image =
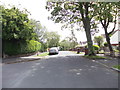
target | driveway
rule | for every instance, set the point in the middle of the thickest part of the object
(65, 70)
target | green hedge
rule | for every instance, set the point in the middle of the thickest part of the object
(21, 47)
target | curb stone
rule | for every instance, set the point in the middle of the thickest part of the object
(108, 66)
(115, 69)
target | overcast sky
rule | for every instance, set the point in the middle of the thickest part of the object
(39, 13)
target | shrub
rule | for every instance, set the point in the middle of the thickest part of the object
(96, 47)
(105, 44)
(115, 50)
(33, 46)
(21, 47)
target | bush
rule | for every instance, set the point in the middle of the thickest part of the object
(105, 44)
(33, 46)
(21, 47)
(96, 47)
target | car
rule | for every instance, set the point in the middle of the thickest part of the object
(53, 50)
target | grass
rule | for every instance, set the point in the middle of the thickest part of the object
(95, 57)
(82, 53)
(116, 50)
(117, 67)
(43, 54)
(101, 52)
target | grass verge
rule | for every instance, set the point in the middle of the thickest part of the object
(95, 57)
(43, 54)
(117, 67)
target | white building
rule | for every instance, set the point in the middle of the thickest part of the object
(115, 38)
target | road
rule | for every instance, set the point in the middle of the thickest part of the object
(65, 70)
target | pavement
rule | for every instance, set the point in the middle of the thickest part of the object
(20, 59)
(109, 63)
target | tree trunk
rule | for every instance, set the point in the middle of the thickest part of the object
(108, 41)
(86, 23)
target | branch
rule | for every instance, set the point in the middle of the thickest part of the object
(114, 25)
(81, 10)
(113, 28)
(101, 22)
(108, 22)
(86, 9)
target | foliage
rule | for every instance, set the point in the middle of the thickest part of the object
(38, 29)
(52, 39)
(16, 25)
(117, 67)
(116, 50)
(72, 39)
(43, 47)
(96, 47)
(21, 47)
(33, 46)
(98, 40)
(18, 33)
(106, 44)
(72, 13)
(65, 45)
(106, 14)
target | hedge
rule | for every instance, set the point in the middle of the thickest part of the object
(21, 47)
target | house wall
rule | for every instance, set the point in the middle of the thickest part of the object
(114, 38)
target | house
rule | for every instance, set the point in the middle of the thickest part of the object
(115, 38)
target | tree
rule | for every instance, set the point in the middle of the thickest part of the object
(107, 13)
(16, 25)
(52, 39)
(17, 30)
(65, 44)
(39, 30)
(72, 39)
(71, 13)
(98, 40)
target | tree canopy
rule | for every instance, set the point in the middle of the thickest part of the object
(107, 13)
(16, 25)
(85, 13)
(72, 13)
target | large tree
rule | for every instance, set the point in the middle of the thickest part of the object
(107, 14)
(71, 13)
(16, 25)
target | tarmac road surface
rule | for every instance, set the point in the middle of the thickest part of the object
(65, 70)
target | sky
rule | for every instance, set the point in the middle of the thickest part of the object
(39, 13)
